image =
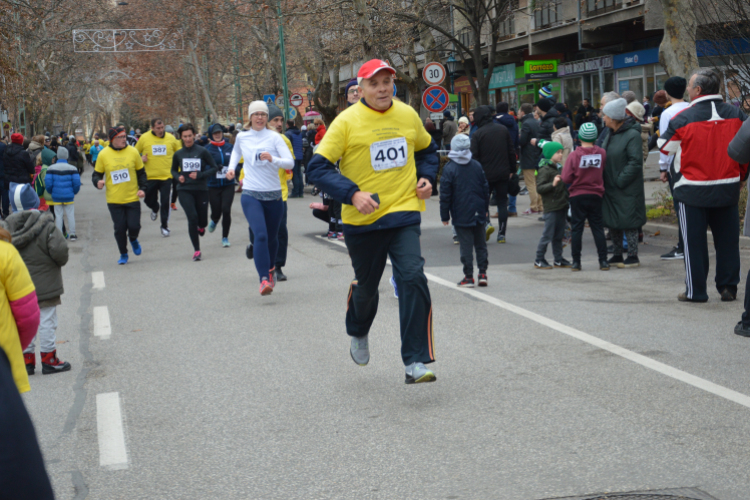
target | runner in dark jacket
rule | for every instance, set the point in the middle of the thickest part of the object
(220, 189)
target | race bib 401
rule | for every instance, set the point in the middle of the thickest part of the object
(388, 154)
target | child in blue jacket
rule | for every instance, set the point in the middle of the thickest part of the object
(465, 199)
(63, 182)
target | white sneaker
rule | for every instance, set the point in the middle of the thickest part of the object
(165, 232)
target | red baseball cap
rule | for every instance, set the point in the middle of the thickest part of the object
(371, 67)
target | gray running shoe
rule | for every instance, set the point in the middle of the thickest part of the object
(416, 373)
(360, 350)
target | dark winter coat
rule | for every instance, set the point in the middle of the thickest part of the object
(624, 203)
(42, 248)
(295, 137)
(17, 164)
(546, 127)
(492, 146)
(581, 114)
(464, 194)
(221, 155)
(72, 152)
(62, 182)
(529, 154)
(3, 146)
(553, 197)
(510, 123)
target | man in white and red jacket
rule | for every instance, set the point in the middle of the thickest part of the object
(706, 184)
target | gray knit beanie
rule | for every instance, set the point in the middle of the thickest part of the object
(616, 109)
(62, 153)
(273, 112)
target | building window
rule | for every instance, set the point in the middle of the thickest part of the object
(547, 13)
(507, 28)
(594, 7)
(466, 37)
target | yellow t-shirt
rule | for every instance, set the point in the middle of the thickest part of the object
(103, 144)
(15, 283)
(283, 176)
(159, 151)
(377, 153)
(119, 169)
(86, 148)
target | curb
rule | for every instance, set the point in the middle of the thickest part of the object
(671, 231)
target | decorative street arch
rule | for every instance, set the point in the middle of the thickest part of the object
(127, 40)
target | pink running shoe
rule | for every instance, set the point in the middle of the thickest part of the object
(197, 256)
(266, 288)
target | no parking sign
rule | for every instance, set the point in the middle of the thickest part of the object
(435, 99)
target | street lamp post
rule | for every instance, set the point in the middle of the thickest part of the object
(282, 52)
(451, 65)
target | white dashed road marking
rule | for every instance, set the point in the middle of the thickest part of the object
(101, 322)
(664, 369)
(97, 279)
(112, 452)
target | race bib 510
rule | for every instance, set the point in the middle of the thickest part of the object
(120, 176)
(388, 154)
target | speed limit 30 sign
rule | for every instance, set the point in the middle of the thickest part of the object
(433, 73)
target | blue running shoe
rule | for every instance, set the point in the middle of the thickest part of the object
(136, 247)
(224, 241)
(211, 226)
(123, 259)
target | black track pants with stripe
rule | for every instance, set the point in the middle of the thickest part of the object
(369, 252)
(725, 228)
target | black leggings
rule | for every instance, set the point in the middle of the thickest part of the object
(127, 220)
(174, 190)
(195, 205)
(156, 190)
(221, 199)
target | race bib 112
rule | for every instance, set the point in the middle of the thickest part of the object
(388, 154)
(191, 165)
(591, 161)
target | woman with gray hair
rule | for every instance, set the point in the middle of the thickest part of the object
(624, 203)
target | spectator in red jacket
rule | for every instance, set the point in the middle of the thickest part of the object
(320, 130)
(707, 184)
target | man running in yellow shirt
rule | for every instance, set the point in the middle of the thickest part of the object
(388, 165)
(156, 148)
(119, 168)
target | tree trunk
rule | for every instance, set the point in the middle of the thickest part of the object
(209, 104)
(677, 52)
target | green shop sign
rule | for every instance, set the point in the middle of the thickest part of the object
(539, 70)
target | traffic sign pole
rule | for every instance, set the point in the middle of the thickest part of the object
(283, 57)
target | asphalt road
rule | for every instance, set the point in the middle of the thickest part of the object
(550, 383)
